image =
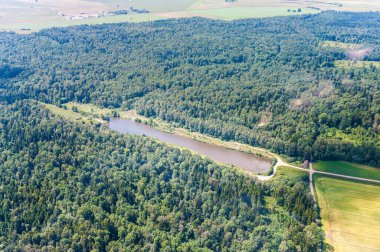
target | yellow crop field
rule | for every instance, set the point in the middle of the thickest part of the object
(350, 213)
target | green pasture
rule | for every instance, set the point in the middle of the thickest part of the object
(349, 169)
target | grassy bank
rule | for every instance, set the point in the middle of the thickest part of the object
(350, 213)
(93, 111)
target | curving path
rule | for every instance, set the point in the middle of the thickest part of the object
(311, 171)
(279, 163)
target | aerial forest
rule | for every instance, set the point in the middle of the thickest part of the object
(265, 82)
(72, 186)
(288, 84)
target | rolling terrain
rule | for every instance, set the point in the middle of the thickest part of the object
(263, 82)
(25, 16)
(296, 88)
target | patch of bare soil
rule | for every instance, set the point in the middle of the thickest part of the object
(266, 118)
(357, 54)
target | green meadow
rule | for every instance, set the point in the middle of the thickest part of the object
(350, 169)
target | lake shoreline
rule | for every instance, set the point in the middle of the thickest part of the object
(250, 162)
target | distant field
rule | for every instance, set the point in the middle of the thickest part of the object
(26, 16)
(350, 213)
(350, 169)
(65, 113)
(249, 12)
(359, 63)
(43, 24)
(341, 45)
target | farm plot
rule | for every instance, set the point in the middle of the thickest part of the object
(350, 213)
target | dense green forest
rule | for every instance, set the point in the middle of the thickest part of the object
(69, 185)
(265, 82)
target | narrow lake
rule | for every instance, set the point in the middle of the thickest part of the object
(248, 162)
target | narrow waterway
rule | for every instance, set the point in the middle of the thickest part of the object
(249, 162)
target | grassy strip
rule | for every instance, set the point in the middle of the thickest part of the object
(349, 169)
(289, 172)
(340, 45)
(357, 64)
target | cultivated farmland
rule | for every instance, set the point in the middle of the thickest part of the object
(350, 213)
(26, 16)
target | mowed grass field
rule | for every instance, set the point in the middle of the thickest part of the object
(289, 172)
(350, 213)
(350, 169)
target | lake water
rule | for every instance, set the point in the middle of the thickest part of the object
(248, 162)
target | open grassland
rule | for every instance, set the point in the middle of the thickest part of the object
(357, 64)
(65, 113)
(340, 45)
(289, 172)
(350, 213)
(350, 169)
(89, 108)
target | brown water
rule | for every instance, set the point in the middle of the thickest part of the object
(249, 162)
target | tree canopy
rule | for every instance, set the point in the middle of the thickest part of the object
(266, 82)
(74, 186)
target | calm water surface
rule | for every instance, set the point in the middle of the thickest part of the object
(240, 159)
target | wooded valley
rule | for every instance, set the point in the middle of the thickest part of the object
(288, 84)
(265, 82)
(67, 185)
